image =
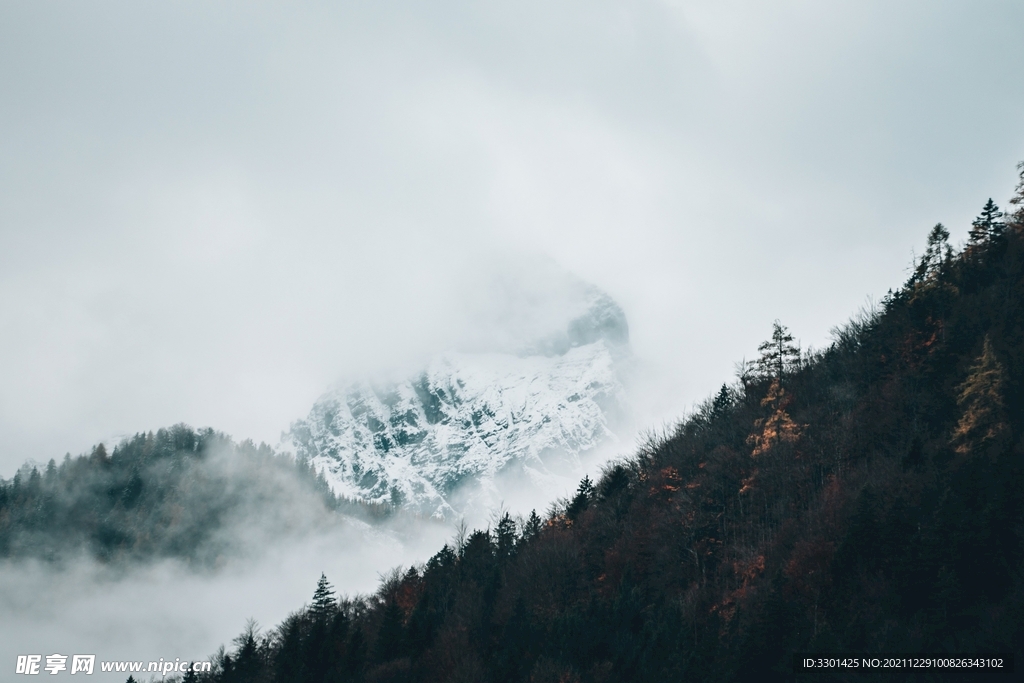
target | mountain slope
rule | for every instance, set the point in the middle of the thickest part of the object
(866, 499)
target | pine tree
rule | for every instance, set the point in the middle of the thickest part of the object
(316, 652)
(937, 255)
(190, 676)
(99, 454)
(987, 226)
(324, 605)
(505, 536)
(722, 402)
(248, 662)
(983, 422)
(34, 481)
(532, 526)
(581, 500)
(778, 355)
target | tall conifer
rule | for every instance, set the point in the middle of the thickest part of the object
(987, 226)
(937, 255)
(324, 605)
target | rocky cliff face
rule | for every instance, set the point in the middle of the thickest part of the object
(473, 424)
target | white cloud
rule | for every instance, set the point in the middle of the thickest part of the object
(208, 213)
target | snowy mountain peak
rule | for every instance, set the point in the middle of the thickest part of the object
(474, 425)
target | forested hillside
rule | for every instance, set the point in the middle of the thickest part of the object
(864, 498)
(176, 493)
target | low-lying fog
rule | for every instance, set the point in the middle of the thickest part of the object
(270, 538)
(167, 610)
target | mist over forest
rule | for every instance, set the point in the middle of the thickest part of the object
(464, 341)
(862, 498)
(176, 493)
(157, 546)
(193, 514)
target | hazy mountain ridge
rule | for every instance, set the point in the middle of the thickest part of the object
(470, 418)
(193, 495)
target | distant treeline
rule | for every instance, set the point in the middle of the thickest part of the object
(867, 497)
(177, 493)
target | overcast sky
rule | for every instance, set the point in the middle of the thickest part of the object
(210, 211)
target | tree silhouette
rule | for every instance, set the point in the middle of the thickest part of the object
(778, 354)
(581, 500)
(937, 255)
(987, 226)
(505, 537)
(324, 605)
(248, 660)
(532, 526)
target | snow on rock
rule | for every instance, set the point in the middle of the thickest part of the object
(445, 440)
